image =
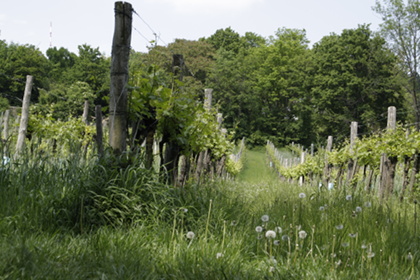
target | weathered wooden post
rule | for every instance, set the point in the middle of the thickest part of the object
(85, 116)
(388, 164)
(6, 124)
(203, 155)
(327, 166)
(121, 46)
(25, 115)
(302, 160)
(99, 131)
(352, 165)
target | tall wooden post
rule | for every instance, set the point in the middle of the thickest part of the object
(388, 164)
(327, 166)
(25, 115)
(99, 131)
(85, 116)
(352, 166)
(6, 124)
(119, 76)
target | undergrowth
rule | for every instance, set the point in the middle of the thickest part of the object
(90, 219)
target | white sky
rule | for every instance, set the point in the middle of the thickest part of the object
(77, 22)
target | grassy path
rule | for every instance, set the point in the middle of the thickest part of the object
(256, 169)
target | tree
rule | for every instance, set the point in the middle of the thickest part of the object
(279, 81)
(354, 80)
(18, 61)
(62, 61)
(401, 27)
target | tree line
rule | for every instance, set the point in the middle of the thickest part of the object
(278, 88)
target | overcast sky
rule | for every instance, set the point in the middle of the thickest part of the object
(77, 22)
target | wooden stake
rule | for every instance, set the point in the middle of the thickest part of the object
(25, 115)
(121, 46)
(99, 131)
(85, 115)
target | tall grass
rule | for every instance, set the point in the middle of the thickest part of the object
(79, 218)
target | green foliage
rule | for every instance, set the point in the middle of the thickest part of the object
(354, 80)
(18, 61)
(68, 135)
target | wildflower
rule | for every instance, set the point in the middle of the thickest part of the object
(190, 235)
(409, 256)
(259, 229)
(358, 209)
(302, 195)
(339, 227)
(219, 255)
(322, 208)
(276, 242)
(349, 197)
(278, 230)
(270, 234)
(285, 237)
(264, 218)
(302, 234)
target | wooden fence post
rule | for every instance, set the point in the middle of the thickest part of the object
(121, 46)
(302, 160)
(352, 165)
(25, 115)
(99, 131)
(388, 164)
(327, 166)
(6, 124)
(85, 116)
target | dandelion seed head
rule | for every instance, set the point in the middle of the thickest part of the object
(233, 223)
(322, 208)
(278, 230)
(265, 218)
(219, 255)
(370, 255)
(302, 234)
(285, 237)
(276, 242)
(358, 209)
(368, 204)
(364, 246)
(409, 256)
(259, 236)
(272, 269)
(352, 235)
(349, 197)
(302, 195)
(185, 210)
(259, 229)
(270, 234)
(339, 227)
(190, 235)
(345, 244)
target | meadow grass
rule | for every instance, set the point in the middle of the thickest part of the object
(87, 219)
